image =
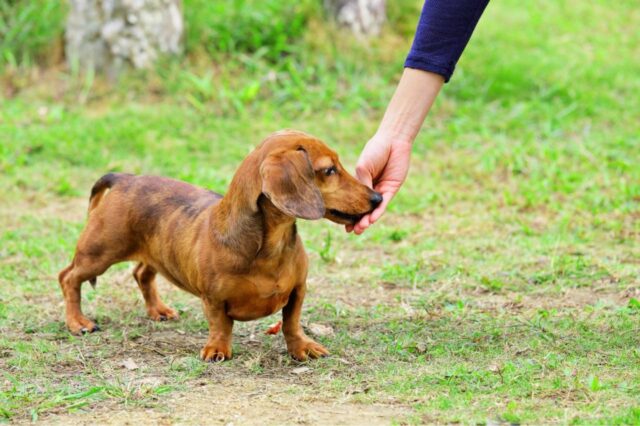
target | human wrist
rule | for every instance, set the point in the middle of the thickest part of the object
(395, 136)
(409, 106)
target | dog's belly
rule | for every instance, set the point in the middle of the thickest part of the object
(254, 307)
(175, 280)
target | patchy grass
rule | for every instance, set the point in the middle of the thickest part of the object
(31, 32)
(502, 285)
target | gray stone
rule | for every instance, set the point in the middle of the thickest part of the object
(108, 35)
(363, 17)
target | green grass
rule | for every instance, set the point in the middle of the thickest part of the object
(267, 28)
(502, 285)
(30, 32)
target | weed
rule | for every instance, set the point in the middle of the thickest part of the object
(326, 252)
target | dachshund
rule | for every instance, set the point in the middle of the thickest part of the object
(239, 253)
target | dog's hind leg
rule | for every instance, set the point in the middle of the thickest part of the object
(83, 268)
(145, 276)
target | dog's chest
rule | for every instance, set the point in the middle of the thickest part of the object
(260, 295)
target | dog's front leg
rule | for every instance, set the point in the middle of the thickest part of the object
(298, 344)
(218, 347)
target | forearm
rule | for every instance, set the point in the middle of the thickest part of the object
(410, 104)
(443, 31)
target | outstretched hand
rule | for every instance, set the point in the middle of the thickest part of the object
(384, 162)
(383, 166)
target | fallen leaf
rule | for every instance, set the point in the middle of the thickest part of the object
(421, 347)
(387, 285)
(129, 364)
(150, 381)
(300, 370)
(320, 329)
(494, 368)
(274, 329)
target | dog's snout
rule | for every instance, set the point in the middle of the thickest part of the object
(375, 200)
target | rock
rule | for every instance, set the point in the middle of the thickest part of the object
(109, 35)
(362, 17)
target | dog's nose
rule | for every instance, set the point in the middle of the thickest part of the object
(375, 200)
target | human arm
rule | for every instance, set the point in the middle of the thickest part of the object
(443, 32)
(384, 162)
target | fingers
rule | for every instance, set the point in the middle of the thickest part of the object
(372, 217)
(386, 165)
(358, 228)
(364, 223)
(379, 211)
(364, 176)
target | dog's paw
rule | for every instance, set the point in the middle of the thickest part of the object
(216, 352)
(162, 313)
(81, 325)
(304, 348)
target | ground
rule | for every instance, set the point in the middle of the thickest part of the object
(400, 348)
(502, 286)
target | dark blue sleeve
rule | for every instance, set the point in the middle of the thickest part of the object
(444, 30)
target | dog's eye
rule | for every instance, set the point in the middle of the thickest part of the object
(330, 171)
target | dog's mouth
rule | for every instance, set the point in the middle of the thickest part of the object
(347, 217)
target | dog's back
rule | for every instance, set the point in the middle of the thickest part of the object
(154, 198)
(145, 218)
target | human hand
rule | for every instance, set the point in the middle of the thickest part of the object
(383, 166)
(384, 162)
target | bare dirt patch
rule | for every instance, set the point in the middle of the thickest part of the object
(243, 402)
(68, 209)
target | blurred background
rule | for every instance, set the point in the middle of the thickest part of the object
(545, 90)
(501, 284)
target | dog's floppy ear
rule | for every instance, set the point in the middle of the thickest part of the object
(288, 181)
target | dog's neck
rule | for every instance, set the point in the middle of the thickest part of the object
(247, 221)
(278, 230)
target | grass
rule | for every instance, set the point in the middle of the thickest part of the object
(501, 286)
(30, 32)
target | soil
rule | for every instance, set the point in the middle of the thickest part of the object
(242, 402)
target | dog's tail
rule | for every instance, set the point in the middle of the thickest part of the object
(98, 191)
(100, 188)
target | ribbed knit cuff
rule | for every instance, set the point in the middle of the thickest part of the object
(422, 64)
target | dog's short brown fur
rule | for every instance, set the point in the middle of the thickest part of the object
(240, 254)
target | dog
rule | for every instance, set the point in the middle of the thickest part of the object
(239, 253)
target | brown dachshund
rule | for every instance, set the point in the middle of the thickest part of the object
(240, 254)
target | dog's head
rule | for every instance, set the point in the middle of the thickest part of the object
(303, 178)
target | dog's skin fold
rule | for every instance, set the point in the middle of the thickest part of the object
(240, 254)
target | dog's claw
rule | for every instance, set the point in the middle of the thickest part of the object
(216, 353)
(82, 330)
(305, 348)
(219, 357)
(85, 330)
(162, 313)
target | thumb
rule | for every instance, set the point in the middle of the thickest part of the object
(364, 175)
